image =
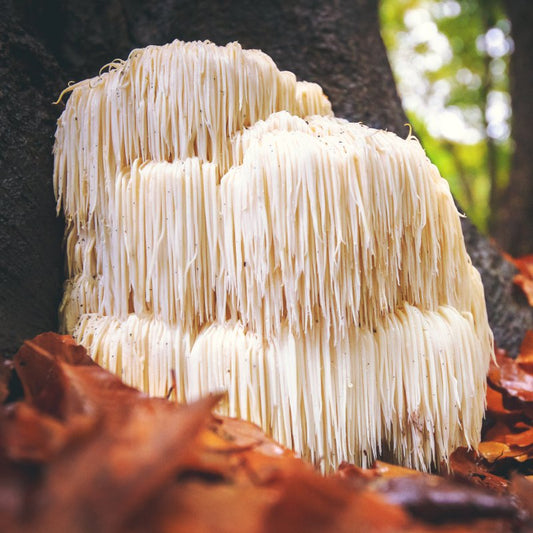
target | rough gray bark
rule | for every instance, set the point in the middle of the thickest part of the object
(336, 44)
(30, 235)
(510, 315)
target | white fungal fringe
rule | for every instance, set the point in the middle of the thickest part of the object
(166, 103)
(143, 352)
(406, 387)
(153, 245)
(346, 227)
(225, 232)
(305, 225)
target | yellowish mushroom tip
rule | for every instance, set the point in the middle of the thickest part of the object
(69, 88)
(227, 233)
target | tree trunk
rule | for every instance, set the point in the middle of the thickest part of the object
(31, 264)
(336, 44)
(513, 226)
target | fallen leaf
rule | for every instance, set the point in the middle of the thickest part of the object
(516, 381)
(131, 446)
(6, 370)
(467, 465)
(521, 487)
(379, 469)
(494, 374)
(525, 357)
(388, 470)
(524, 279)
(28, 435)
(325, 505)
(524, 264)
(118, 470)
(439, 500)
(522, 439)
(81, 451)
(505, 375)
(492, 451)
(498, 411)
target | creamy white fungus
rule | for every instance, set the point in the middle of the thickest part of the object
(226, 233)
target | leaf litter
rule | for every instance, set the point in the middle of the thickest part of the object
(80, 451)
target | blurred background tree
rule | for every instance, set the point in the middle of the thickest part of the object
(452, 62)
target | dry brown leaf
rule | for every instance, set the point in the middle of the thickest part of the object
(439, 500)
(524, 264)
(526, 284)
(525, 357)
(6, 369)
(495, 367)
(325, 505)
(516, 381)
(523, 439)
(107, 447)
(497, 408)
(468, 465)
(498, 432)
(84, 452)
(378, 470)
(506, 375)
(492, 451)
(524, 279)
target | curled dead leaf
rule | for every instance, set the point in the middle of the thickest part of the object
(492, 451)
(469, 466)
(524, 279)
(84, 452)
(6, 370)
(524, 264)
(523, 439)
(525, 357)
(436, 499)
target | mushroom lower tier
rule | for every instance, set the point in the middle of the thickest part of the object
(412, 387)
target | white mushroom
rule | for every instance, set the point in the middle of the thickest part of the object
(225, 228)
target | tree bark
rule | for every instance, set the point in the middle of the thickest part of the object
(513, 226)
(31, 264)
(336, 44)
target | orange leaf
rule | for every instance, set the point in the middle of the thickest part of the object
(81, 450)
(507, 375)
(495, 406)
(525, 265)
(517, 382)
(387, 470)
(494, 369)
(466, 464)
(492, 451)
(525, 357)
(521, 440)
(497, 433)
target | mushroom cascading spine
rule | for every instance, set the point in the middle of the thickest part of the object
(224, 227)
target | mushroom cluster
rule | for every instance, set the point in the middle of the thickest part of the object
(225, 232)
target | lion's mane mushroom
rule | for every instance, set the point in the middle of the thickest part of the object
(222, 225)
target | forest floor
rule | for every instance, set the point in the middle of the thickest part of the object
(81, 451)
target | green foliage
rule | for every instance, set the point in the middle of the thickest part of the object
(450, 61)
